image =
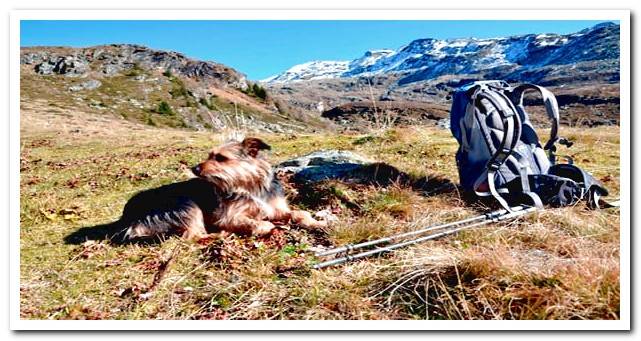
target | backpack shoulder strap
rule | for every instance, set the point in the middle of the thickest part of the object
(551, 107)
(511, 135)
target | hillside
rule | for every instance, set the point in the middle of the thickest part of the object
(582, 66)
(153, 87)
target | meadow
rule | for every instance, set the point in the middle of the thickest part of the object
(79, 171)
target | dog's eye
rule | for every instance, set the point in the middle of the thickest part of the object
(220, 158)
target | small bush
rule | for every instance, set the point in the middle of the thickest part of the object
(164, 109)
(259, 91)
(167, 73)
(256, 90)
(179, 89)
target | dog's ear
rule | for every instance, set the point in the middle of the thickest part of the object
(252, 146)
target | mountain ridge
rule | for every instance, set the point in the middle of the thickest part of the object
(427, 58)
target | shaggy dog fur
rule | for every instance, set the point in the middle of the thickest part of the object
(234, 190)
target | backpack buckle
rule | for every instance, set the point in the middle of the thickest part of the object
(499, 158)
(565, 142)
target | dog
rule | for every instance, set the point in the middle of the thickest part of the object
(234, 190)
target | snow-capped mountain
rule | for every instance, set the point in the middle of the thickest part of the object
(428, 58)
(311, 70)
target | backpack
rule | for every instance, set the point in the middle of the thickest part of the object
(500, 155)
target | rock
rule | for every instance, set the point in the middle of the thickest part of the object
(45, 68)
(323, 165)
(136, 103)
(111, 69)
(97, 105)
(67, 65)
(33, 58)
(114, 59)
(347, 167)
(326, 215)
(443, 123)
(88, 85)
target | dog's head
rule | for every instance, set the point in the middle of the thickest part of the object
(237, 167)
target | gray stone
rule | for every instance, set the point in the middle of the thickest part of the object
(111, 69)
(443, 123)
(88, 85)
(323, 165)
(69, 66)
(33, 58)
(45, 68)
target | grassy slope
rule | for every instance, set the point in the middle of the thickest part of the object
(561, 263)
(137, 100)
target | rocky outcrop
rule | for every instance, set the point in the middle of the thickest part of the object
(111, 60)
(62, 65)
(132, 82)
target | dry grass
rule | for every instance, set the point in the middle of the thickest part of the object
(557, 264)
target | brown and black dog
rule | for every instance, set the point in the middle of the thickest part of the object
(234, 190)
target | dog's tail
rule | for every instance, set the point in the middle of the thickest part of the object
(185, 219)
(153, 225)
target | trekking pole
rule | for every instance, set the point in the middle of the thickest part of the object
(385, 240)
(489, 219)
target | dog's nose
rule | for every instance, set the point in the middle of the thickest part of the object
(196, 170)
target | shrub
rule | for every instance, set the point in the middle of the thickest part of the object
(256, 90)
(178, 89)
(167, 73)
(259, 91)
(164, 109)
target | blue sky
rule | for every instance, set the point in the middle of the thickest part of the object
(263, 48)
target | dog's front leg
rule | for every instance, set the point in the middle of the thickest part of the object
(282, 212)
(243, 224)
(305, 219)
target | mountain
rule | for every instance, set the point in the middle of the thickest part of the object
(424, 59)
(154, 87)
(311, 70)
(395, 85)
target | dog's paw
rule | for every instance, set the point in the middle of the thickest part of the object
(326, 216)
(263, 228)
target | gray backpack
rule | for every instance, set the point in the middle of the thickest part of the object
(500, 154)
